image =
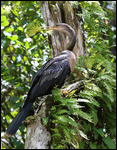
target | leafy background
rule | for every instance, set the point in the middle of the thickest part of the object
(90, 114)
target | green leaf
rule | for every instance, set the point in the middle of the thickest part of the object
(67, 101)
(65, 119)
(67, 134)
(15, 12)
(83, 135)
(72, 121)
(33, 27)
(108, 141)
(20, 28)
(53, 108)
(27, 45)
(25, 58)
(14, 38)
(3, 18)
(2, 10)
(56, 135)
(93, 113)
(109, 90)
(86, 127)
(106, 99)
(13, 58)
(9, 29)
(62, 112)
(89, 62)
(57, 94)
(62, 119)
(95, 102)
(89, 95)
(83, 115)
(106, 77)
(102, 72)
(84, 100)
(5, 23)
(100, 131)
(98, 65)
(25, 68)
(93, 87)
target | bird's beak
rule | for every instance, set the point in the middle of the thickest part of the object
(51, 28)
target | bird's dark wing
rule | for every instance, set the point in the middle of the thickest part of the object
(51, 74)
(56, 72)
(38, 74)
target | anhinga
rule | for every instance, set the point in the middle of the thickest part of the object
(53, 72)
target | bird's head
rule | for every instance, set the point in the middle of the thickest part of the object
(65, 28)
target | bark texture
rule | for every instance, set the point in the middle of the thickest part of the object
(38, 137)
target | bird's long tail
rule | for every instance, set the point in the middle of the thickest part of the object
(13, 127)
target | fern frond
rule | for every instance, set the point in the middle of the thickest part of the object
(72, 121)
(83, 135)
(84, 100)
(108, 78)
(63, 111)
(109, 91)
(82, 114)
(67, 134)
(33, 28)
(93, 113)
(89, 100)
(90, 96)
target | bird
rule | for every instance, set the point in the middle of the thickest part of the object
(53, 73)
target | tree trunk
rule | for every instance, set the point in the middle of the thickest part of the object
(38, 136)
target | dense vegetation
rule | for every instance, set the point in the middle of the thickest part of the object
(85, 120)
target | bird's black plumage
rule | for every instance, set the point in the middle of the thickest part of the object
(52, 73)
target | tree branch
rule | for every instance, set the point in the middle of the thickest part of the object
(76, 86)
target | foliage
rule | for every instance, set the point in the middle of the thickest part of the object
(21, 58)
(65, 114)
(100, 78)
(88, 121)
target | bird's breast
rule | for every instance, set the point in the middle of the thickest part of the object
(72, 59)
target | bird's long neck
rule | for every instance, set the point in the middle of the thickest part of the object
(72, 40)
